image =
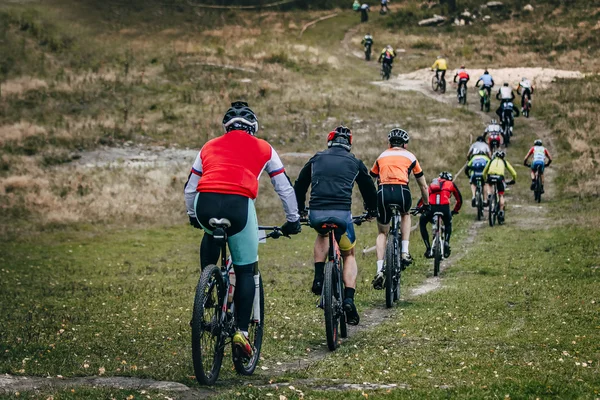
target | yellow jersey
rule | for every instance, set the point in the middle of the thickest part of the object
(498, 166)
(440, 64)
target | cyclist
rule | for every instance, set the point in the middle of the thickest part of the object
(331, 175)
(493, 134)
(384, 7)
(539, 153)
(440, 66)
(440, 191)
(479, 147)
(509, 110)
(364, 10)
(496, 169)
(387, 56)
(392, 170)
(367, 41)
(524, 89)
(356, 5)
(474, 171)
(463, 78)
(487, 83)
(223, 183)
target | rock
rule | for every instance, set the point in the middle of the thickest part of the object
(528, 7)
(494, 4)
(466, 14)
(456, 21)
(436, 20)
(462, 22)
(486, 17)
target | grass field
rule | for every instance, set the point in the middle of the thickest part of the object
(98, 266)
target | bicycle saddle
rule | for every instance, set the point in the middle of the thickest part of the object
(219, 222)
(324, 225)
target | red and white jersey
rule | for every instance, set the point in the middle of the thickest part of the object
(232, 164)
(539, 153)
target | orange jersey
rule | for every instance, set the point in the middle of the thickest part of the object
(393, 167)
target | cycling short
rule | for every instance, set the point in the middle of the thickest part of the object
(392, 194)
(348, 239)
(538, 164)
(498, 181)
(475, 176)
(242, 235)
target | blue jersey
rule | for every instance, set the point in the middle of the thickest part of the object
(486, 79)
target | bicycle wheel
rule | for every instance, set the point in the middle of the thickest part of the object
(340, 296)
(443, 86)
(244, 365)
(479, 203)
(391, 264)
(437, 250)
(330, 306)
(492, 211)
(538, 189)
(434, 84)
(207, 338)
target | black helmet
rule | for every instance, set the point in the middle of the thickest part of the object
(486, 72)
(500, 153)
(505, 83)
(538, 142)
(340, 136)
(241, 117)
(398, 137)
(493, 122)
(480, 139)
(446, 175)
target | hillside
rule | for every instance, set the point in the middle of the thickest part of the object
(104, 105)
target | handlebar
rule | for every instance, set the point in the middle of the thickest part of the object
(359, 219)
(275, 234)
(416, 210)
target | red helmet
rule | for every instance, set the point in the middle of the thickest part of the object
(341, 135)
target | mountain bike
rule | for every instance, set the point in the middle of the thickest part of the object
(438, 235)
(214, 316)
(332, 294)
(526, 106)
(386, 70)
(368, 52)
(479, 197)
(462, 94)
(537, 183)
(506, 128)
(484, 99)
(494, 200)
(438, 84)
(393, 265)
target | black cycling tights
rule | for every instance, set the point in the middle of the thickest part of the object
(426, 218)
(244, 293)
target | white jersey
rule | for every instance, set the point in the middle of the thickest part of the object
(506, 93)
(539, 153)
(493, 128)
(525, 84)
(479, 148)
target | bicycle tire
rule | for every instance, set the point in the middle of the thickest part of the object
(538, 189)
(255, 336)
(443, 86)
(437, 250)
(329, 307)
(479, 203)
(340, 297)
(391, 260)
(492, 210)
(434, 84)
(211, 283)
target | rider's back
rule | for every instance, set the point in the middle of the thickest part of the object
(506, 93)
(333, 172)
(394, 166)
(232, 163)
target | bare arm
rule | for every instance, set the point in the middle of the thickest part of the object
(424, 191)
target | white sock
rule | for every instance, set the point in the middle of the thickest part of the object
(379, 266)
(405, 246)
